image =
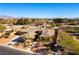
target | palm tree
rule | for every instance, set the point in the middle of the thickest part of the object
(55, 36)
(53, 44)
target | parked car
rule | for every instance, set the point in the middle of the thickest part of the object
(19, 33)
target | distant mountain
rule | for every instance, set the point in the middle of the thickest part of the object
(5, 17)
(9, 17)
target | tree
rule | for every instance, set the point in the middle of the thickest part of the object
(20, 22)
(26, 21)
(23, 21)
(59, 20)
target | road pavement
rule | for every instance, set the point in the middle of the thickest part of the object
(10, 51)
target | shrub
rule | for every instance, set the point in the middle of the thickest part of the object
(69, 44)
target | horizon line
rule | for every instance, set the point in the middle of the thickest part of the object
(37, 17)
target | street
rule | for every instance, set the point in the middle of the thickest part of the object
(10, 51)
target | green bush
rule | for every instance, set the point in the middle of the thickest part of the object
(69, 44)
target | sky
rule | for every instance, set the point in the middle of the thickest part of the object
(40, 10)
